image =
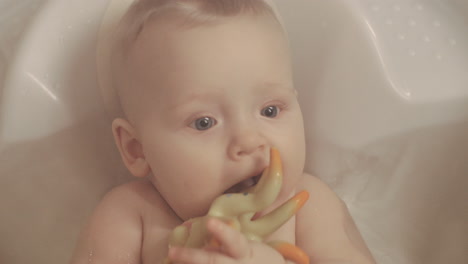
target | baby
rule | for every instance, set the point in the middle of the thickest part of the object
(206, 90)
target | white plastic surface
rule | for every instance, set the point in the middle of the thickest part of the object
(383, 88)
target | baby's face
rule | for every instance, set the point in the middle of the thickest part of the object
(212, 100)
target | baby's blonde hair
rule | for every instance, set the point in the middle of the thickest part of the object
(184, 13)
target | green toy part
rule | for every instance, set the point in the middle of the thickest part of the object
(238, 210)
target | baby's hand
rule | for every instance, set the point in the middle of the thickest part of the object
(234, 248)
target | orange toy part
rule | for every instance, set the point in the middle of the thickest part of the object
(290, 251)
(239, 209)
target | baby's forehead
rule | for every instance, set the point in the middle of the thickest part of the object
(162, 29)
(179, 14)
(121, 28)
(166, 42)
(156, 28)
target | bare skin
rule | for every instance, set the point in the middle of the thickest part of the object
(148, 222)
(202, 117)
(239, 211)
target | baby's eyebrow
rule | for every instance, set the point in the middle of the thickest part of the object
(193, 97)
(267, 87)
(264, 88)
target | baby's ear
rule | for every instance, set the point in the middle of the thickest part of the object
(130, 147)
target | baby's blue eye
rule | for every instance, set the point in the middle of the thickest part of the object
(270, 111)
(203, 123)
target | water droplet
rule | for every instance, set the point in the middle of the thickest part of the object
(419, 7)
(24, 91)
(412, 53)
(90, 256)
(412, 23)
(407, 94)
(401, 37)
(452, 42)
(438, 56)
(427, 39)
(436, 23)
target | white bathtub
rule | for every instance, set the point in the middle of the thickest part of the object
(382, 84)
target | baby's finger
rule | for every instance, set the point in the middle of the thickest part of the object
(233, 243)
(197, 256)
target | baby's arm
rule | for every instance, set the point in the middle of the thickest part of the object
(114, 232)
(325, 229)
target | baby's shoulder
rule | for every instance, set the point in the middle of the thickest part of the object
(325, 215)
(311, 183)
(136, 189)
(321, 195)
(117, 223)
(134, 196)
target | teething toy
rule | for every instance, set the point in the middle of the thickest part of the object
(238, 209)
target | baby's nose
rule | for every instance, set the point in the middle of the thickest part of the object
(245, 144)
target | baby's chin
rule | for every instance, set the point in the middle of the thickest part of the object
(190, 211)
(284, 195)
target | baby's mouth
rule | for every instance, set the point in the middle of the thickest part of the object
(244, 185)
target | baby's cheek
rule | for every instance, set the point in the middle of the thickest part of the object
(192, 201)
(294, 167)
